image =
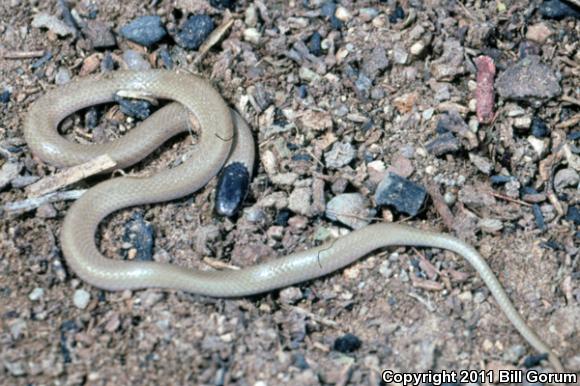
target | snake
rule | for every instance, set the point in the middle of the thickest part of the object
(225, 140)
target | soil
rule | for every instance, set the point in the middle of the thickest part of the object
(299, 103)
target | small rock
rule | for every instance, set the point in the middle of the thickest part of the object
(8, 172)
(54, 24)
(514, 353)
(99, 34)
(397, 15)
(343, 14)
(135, 108)
(314, 45)
(523, 123)
(565, 178)
(81, 299)
(529, 80)
(300, 200)
(221, 4)
(375, 62)
(139, 235)
(62, 76)
(481, 163)
(574, 214)
(5, 96)
(291, 295)
(490, 225)
(195, 31)
(145, 30)
(135, 61)
(15, 369)
(418, 48)
(340, 155)
(404, 195)
(46, 211)
(450, 64)
(539, 128)
(328, 11)
(538, 33)
(351, 209)
(401, 166)
(400, 54)
(252, 35)
(558, 9)
(36, 294)
(538, 145)
(443, 144)
(347, 343)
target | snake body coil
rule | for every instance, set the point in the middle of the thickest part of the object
(196, 96)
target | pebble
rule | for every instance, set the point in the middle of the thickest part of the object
(53, 23)
(195, 31)
(135, 108)
(300, 200)
(140, 237)
(397, 14)
(375, 62)
(483, 164)
(574, 214)
(291, 295)
(450, 64)
(443, 144)
(5, 96)
(400, 193)
(328, 11)
(62, 76)
(81, 299)
(565, 178)
(538, 33)
(145, 30)
(99, 34)
(341, 154)
(539, 217)
(529, 80)
(538, 144)
(449, 198)
(221, 4)
(418, 48)
(490, 225)
(351, 209)
(343, 14)
(347, 343)
(514, 353)
(252, 35)
(135, 61)
(314, 45)
(36, 294)
(523, 123)
(558, 9)
(539, 128)
(46, 211)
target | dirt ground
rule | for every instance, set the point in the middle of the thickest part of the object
(378, 85)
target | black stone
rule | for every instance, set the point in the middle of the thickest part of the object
(398, 14)
(347, 343)
(315, 44)
(443, 144)
(574, 214)
(539, 128)
(300, 361)
(498, 180)
(5, 96)
(539, 217)
(166, 58)
(134, 107)
(405, 196)
(557, 9)
(282, 217)
(221, 4)
(534, 360)
(42, 61)
(195, 31)
(328, 11)
(232, 189)
(139, 233)
(574, 136)
(145, 30)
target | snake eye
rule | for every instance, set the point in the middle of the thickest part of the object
(232, 188)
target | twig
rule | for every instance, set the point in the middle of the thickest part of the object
(569, 99)
(212, 40)
(71, 175)
(441, 207)
(319, 319)
(217, 264)
(502, 197)
(33, 203)
(569, 122)
(23, 54)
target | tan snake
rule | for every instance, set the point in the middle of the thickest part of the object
(196, 96)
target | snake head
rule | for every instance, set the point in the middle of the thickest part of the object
(232, 189)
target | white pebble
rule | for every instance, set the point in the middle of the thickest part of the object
(36, 294)
(81, 299)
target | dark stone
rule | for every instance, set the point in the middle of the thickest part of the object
(5, 96)
(302, 91)
(91, 118)
(574, 136)
(405, 196)
(221, 4)
(166, 58)
(195, 31)
(539, 217)
(528, 80)
(135, 108)
(42, 61)
(443, 144)
(139, 233)
(347, 343)
(498, 180)
(314, 45)
(574, 214)
(282, 217)
(108, 64)
(145, 30)
(534, 360)
(539, 128)
(398, 14)
(232, 189)
(99, 34)
(328, 11)
(557, 9)
(300, 361)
